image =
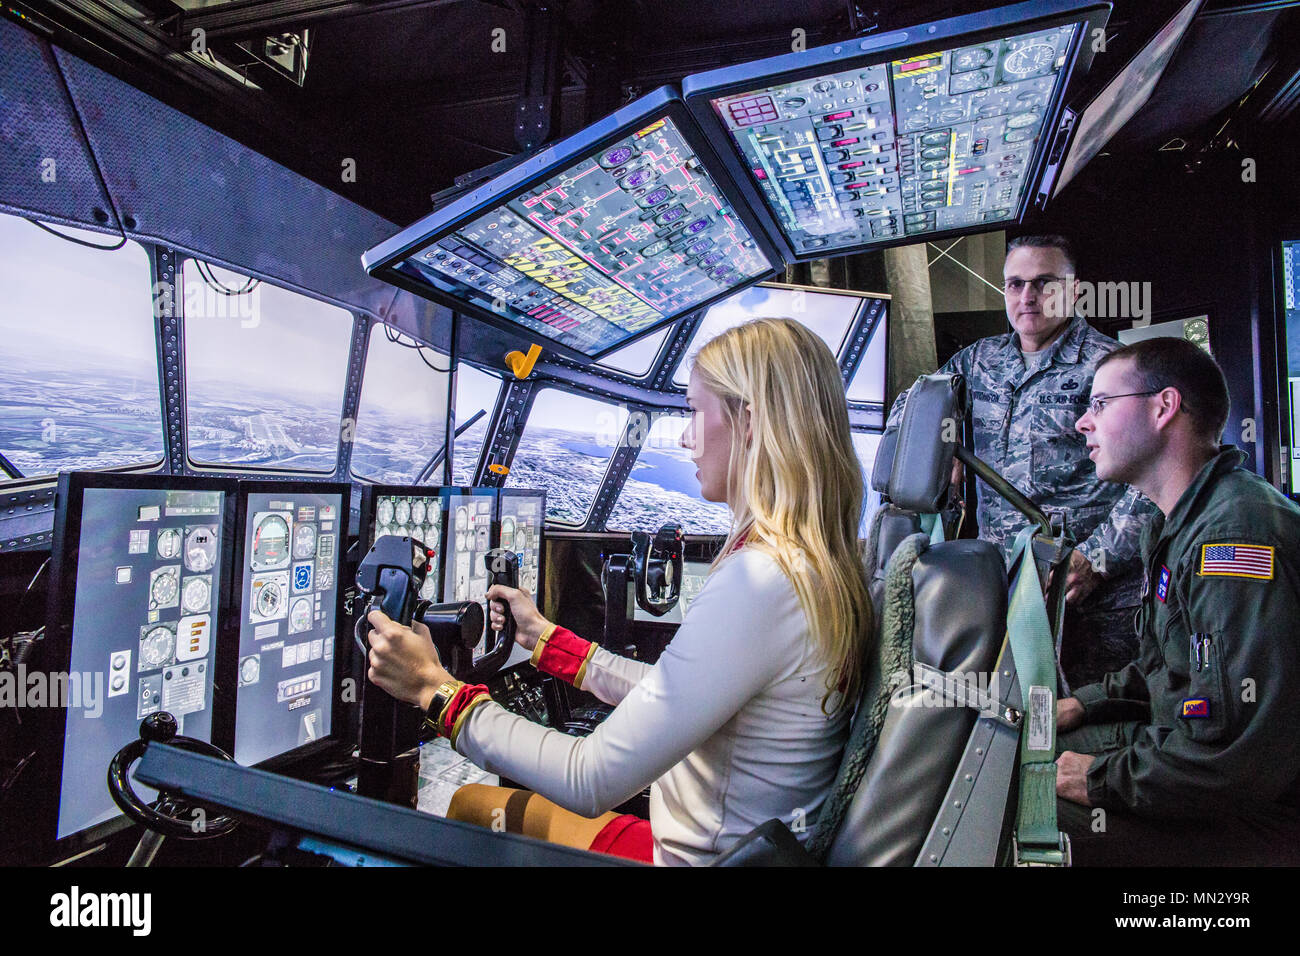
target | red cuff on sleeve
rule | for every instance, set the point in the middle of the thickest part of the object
(564, 654)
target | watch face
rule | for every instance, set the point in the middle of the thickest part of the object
(200, 549)
(304, 541)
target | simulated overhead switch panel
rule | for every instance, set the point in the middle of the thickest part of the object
(926, 144)
(592, 242)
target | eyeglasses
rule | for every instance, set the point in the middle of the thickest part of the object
(1018, 285)
(1097, 405)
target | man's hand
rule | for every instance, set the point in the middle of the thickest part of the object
(958, 476)
(1072, 777)
(1080, 579)
(403, 662)
(1069, 714)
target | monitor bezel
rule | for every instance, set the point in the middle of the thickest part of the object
(381, 261)
(56, 649)
(699, 89)
(228, 653)
(1282, 444)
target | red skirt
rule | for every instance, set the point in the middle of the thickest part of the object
(627, 836)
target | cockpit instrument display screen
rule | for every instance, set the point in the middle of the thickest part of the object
(523, 514)
(288, 619)
(148, 579)
(417, 514)
(902, 136)
(600, 238)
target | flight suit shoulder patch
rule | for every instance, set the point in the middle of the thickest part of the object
(1230, 559)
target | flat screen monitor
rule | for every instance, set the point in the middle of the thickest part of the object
(1121, 98)
(1290, 276)
(141, 564)
(937, 130)
(469, 537)
(521, 515)
(413, 511)
(694, 574)
(604, 236)
(292, 538)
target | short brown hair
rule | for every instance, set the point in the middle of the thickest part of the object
(1166, 362)
(1048, 242)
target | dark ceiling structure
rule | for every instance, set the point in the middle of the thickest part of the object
(388, 102)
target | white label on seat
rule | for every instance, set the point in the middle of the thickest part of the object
(1040, 718)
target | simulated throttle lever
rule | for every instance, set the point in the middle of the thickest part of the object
(657, 568)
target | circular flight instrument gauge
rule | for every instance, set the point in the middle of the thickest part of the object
(971, 59)
(615, 157)
(966, 82)
(460, 540)
(508, 533)
(164, 588)
(429, 589)
(250, 669)
(795, 102)
(462, 518)
(169, 543)
(1029, 59)
(384, 511)
(269, 597)
(197, 595)
(156, 647)
(200, 549)
(403, 512)
(1021, 120)
(300, 615)
(270, 542)
(419, 511)
(654, 197)
(304, 541)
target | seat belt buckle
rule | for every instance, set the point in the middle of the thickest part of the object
(1041, 856)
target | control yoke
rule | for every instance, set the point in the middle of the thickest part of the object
(657, 566)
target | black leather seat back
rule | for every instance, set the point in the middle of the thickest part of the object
(961, 605)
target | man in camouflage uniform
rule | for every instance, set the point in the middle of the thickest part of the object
(1027, 388)
(1190, 752)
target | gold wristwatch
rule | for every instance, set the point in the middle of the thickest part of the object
(441, 698)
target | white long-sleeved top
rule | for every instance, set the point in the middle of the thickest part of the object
(728, 724)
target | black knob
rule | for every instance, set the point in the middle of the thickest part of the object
(158, 727)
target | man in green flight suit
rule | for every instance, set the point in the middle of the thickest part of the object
(1027, 388)
(1192, 750)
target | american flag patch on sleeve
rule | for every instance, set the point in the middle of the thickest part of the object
(1237, 561)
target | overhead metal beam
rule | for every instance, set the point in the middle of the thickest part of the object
(258, 18)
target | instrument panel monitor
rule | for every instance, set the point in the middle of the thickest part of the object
(902, 137)
(600, 238)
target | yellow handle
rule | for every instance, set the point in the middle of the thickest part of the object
(521, 364)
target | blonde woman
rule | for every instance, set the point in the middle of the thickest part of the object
(744, 716)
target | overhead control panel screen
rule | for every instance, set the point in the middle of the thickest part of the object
(848, 150)
(613, 236)
(288, 620)
(417, 516)
(144, 624)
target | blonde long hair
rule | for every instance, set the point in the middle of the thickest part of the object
(796, 489)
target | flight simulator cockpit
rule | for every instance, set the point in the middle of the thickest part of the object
(249, 421)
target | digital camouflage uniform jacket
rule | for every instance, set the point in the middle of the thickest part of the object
(1220, 662)
(1023, 423)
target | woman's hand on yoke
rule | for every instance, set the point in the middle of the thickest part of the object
(529, 623)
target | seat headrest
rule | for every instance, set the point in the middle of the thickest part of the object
(914, 462)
